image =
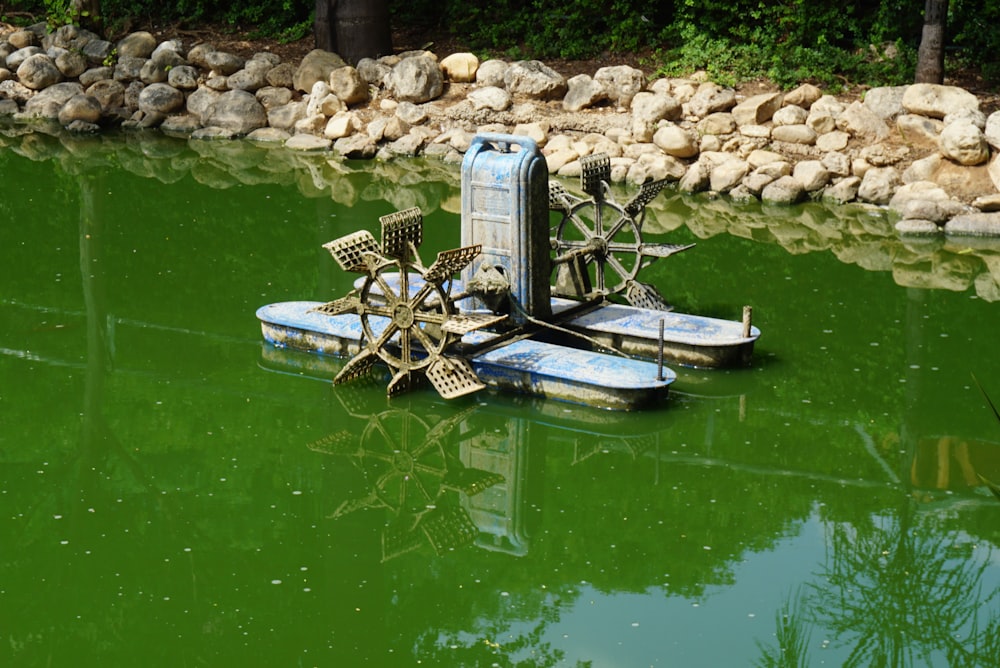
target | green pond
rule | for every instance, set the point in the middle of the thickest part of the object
(174, 492)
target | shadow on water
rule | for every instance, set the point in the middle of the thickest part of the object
(170, 481)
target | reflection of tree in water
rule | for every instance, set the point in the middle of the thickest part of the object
(903, 595)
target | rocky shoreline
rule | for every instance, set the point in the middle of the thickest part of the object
(926, 152)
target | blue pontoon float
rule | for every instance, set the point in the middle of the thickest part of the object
(504, 323)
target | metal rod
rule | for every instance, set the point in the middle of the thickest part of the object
(747, 316)
(659, 356)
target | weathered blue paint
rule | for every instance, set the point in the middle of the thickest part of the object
(505, 209)
(525, 366)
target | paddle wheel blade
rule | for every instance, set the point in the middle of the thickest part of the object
(448, 528)
(463, 323)
(357, 367)
(595, 169)
(342, 442)
(664, 250)
(402, 233)
(453, 377)
(337, 306)
(349, 250)
(647, 193)
(559, 198)
(404, 381)
(450, 262)
(643, 295)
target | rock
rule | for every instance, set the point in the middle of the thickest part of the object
(268, 135)
(183, 77)
(964, 143)
(129, 68)
(151, 73)
(237, 111)
(14, 60)
(878, 185)
(490, 97)
(8, 107)
(784, 190)
(886, 102)
(272, 97)
(973, 116)
(109, 93)
(281, 76)
(417, 79)
(832, 141)
(315, 66)
(181, 124)
(936, 211)
(583, 92)
(838, 164)
(992, 130)
(718, 123)
(460, 67)
(919, 130)
(199, 102)
(711, 98)
(974, 224)
(676, 141)
(411, 114)
(538, 132)
(861, 121)
(71, 64)
(355, 147)
(695, 180)
(15, 91)
(621, 83)
(917, 228)
(812, 174)
(534, 79)
(252, 77)
(20, 39)
(160, 98)
(491, 73)
(843, 191)
(38, 72)
(790, 115)
(804, 96)
(342, 124)
(80, 107)
(937, 100)
(757, 109)
(136, 45)
(308, 142)
(286, 116)
(794, 134)
(347, 84)
(648, 109)
(95, 74)
(987, 203)
(726, 176)
(223, 62)
(49, 102)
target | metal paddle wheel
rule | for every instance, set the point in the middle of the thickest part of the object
(408, 316)
(598, 242)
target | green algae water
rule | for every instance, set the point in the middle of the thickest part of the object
(174, 492)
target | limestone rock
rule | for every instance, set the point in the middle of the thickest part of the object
(490, 97)
(676, 141)
(252, 77)
(757, 109)
(315, 66)
(237, 111)
(355, 147)
(804, 96)
(47, 103)
(784, 190)
(794, 134)
(347, 84)
(308, 142)
(919, 130)
(460, 67)
(183, 77)
(136, 45)
(843, 191)
(621, 83)
(15, 92)
(790, 114)
(648, 109)
(878, 185)
(936, 100)
(14, 60)
(80, 107)
(109, 93)
(992, 130)
(491, 73)
(534, 79)
(812, 174)
(710, 99)
(886, 102)
(281, 75)
(964, 143)
(95, 74)
(38, 72)
(861, 121)
(974, 224)
(272, 97)
(417, 79)
(160, 98)
(728, 175)
(583, 92)
(71, 64)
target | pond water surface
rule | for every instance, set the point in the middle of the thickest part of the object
(174, 492)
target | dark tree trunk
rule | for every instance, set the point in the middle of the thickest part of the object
(354, 29)
(930, 57)
(88, 14)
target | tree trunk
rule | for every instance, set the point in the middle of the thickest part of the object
(930, 56)
(87, 14)
(354, 29)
